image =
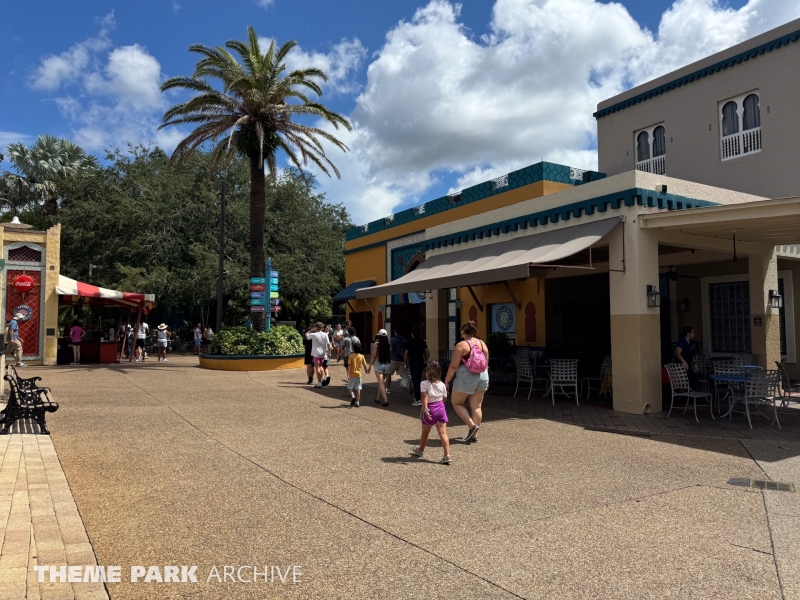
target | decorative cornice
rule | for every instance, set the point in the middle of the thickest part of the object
(601, 204)
(704, 72)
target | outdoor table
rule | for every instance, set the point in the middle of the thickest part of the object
(752, 368)
(729, 379)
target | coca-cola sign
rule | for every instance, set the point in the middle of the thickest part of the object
(24, 283)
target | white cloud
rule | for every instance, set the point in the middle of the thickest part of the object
(111, 96)
(265, 3)
(438, 100)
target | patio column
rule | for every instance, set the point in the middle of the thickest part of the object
(765, 331)
(436, 322)
(635, 328)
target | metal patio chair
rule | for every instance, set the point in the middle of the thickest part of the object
(445, 356)
(679, 385)
(564, 375)
(701, 368)
(790, 390)
(744, 359)
(605, 367)
(525, 373)
(726, 367)
(760, 389)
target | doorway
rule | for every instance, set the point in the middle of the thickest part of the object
(405, 316)
(362, 322)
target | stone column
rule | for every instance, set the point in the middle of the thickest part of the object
(635, 328)
(436, 322)
(765, 330)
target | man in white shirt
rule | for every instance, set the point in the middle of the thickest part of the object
(141, 336)
(320, 348)
(198, 338)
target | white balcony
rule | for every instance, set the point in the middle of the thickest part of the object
(739, 144)
(656, 165)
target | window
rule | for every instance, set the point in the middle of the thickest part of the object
(651, 150)
(729, 305)
(740, 126)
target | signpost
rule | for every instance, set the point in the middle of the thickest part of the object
(264, 292)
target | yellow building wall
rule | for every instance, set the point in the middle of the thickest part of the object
(51, 240)
(529, 290)
(533, 190)
(360, 266)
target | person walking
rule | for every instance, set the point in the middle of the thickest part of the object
(416, 355)
(328, 354)
(162, 341)
(198, 338)
(308, 361)
(470, 368)
(350, 340)
(141, 337)
(684, 354)
(433, 413)
(380, 359)
(76, 334)
(14, 342)
(128, 341)
(209, 335)
(355, 365)
(397, 346)
(338, 342)
(320, 344)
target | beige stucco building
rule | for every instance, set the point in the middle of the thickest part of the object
(700, 229)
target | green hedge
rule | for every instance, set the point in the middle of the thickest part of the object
(240, 341)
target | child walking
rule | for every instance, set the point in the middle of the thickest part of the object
(355, 363)
(433, 393)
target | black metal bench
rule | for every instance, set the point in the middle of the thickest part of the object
(26, 400)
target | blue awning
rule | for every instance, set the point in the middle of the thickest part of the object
(349, 293)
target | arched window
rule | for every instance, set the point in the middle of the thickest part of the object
(642, 146)
(659, 141)
(730, 118)
(752, 113)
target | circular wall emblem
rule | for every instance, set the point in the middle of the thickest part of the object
(25, 310)
(504, 318)
(24, 283)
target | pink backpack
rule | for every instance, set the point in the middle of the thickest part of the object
(476, 361)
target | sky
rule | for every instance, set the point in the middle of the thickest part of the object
(442, 95)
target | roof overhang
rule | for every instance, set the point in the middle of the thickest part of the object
(775, 222)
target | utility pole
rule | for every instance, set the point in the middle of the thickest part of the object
(221, 279)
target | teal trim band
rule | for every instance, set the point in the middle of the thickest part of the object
(244, 356)
(382, 242)
(601, 204)
(542, 171)
(710, 70)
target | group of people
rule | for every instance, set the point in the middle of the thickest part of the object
(466, 377)
(163, 338)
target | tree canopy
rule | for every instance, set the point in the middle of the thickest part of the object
(153, 228)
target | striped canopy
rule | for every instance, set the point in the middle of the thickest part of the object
(70, 287)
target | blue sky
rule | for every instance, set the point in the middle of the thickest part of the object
(443, 95)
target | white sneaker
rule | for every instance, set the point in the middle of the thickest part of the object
(165, 360)
(416, 403)
(22, 364)
(319, 385)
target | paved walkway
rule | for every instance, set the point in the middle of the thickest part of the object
(175, 465)
(40, 524)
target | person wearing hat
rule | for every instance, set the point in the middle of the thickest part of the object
(76, 335)
(381, 358)
(14, 344)
(162, 340)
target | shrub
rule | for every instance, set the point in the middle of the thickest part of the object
(239, 341)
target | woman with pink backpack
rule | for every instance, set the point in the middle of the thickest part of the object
(470, 367)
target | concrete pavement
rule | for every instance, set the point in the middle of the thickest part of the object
(173, 465)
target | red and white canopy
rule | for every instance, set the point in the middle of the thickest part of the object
(71, 287)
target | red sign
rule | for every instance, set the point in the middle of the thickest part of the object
(23, 284)
(258, 287)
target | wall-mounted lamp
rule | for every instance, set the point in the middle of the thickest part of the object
(775, 299)
(684, 305)
(653, 297)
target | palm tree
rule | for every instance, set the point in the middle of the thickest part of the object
(38, 170)
(253, 116)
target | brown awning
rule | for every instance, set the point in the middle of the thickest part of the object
(490, 263)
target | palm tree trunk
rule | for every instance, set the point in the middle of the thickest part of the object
(257, 216)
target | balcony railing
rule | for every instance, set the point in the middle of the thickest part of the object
(738, 144)
(656, 165)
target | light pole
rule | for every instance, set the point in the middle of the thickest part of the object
(220, 280)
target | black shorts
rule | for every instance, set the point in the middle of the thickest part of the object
(139, 343)
(308, 360)
(76, 343)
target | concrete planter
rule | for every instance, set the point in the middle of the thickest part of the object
(252, 362)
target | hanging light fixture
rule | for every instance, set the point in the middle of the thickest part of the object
(653, 297)
(775, 299)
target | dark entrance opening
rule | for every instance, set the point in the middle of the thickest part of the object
(578, 320)
(362, 321)
(405, 316)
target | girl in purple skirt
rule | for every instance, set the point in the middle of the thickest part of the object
(433, 414)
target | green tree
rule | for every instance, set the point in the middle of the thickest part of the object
(253, 115)
(39, 170)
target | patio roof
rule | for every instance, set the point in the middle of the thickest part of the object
(775, 222)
